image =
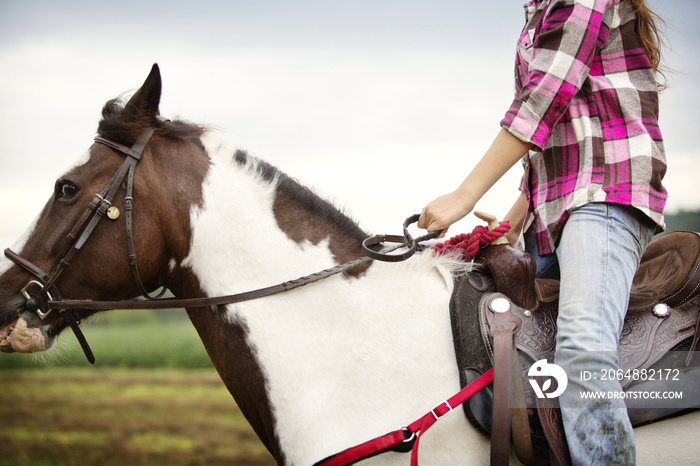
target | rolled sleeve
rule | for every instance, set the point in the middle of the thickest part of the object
(525, 124)
(568, 36)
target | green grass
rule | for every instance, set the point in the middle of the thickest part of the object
(106, 417)
(125, 339)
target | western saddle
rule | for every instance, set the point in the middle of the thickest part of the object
(516, 311)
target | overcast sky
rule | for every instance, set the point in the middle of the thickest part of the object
(379, 106)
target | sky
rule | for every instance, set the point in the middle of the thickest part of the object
(379, 106)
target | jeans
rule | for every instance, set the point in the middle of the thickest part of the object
(596, 258)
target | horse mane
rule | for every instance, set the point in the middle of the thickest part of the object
(122, 124)
(301, 195)
(314, 203)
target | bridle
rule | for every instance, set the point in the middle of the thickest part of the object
(42, 296)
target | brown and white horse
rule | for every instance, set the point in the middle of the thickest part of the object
(315, 370)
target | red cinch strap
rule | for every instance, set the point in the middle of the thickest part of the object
(406, 434)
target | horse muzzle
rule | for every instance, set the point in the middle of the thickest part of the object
(26, 334)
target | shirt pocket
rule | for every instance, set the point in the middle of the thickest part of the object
(525, 45)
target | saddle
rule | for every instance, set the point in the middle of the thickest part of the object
(516, 311)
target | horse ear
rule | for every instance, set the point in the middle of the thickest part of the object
(146, 100)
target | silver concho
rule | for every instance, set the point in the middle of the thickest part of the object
(661, 310)
(500, 305)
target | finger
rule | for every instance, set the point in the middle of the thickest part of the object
(435, 226)
(424, 219)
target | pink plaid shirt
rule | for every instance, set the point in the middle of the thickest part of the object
(586, 98)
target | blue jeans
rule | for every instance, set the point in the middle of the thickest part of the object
(596, 258)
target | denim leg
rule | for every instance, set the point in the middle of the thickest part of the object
(547, 265)
(599, 252)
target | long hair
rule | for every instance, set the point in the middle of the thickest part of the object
(650, 32)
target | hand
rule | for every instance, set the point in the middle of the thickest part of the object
(512, 237)
(505, 151)
(444, 211)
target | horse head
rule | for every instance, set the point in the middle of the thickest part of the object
(117, 195)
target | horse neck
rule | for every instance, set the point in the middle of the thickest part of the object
(344, 348)
(254, 227)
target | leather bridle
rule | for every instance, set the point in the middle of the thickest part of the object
(42, 296)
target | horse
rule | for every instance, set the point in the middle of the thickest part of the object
(315, 370)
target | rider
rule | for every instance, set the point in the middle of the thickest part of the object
(584, 121)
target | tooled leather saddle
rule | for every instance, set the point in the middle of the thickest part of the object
(661, 331)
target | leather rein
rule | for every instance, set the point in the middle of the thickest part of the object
(42, 296)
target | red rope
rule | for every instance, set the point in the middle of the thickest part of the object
(469, 244)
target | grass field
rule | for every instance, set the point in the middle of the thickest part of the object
(152, 398)
(106, 417)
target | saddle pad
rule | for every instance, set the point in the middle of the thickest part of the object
(472, 358)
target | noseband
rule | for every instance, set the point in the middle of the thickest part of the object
(42, 291)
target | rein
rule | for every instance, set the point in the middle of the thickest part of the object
(42, 296)
(167, 303)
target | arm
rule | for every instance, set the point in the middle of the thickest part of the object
(516, 216)
(505, 151)
(551, 83)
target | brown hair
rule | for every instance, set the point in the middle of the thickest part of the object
(649, 29)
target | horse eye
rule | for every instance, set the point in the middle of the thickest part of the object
(66, 190)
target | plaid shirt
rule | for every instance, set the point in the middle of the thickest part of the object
(586, 98)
